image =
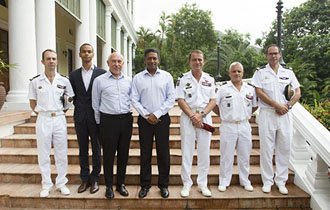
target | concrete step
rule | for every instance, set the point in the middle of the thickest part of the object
(30, 173)
(13, 195)
(175, 118)
(30, 155)
(29, 128)
(29, 141)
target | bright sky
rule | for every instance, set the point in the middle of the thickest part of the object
(247, 16)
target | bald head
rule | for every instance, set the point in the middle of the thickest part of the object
(115, 63)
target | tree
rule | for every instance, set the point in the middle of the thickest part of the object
(306, 45)
(235, 47)
(191, 28)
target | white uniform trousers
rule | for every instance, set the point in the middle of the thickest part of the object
(52, 129)
(235, 136)
(190, 134)
(275, 132)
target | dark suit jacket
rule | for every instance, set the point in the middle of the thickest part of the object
(83, 99)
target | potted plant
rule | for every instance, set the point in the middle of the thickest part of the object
(3, 68)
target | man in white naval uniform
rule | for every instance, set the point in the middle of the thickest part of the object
(46, 93)
(236, 101)
(195, 92)
(275, 119)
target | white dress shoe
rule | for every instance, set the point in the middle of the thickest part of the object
(44, 193)
(222, 188)
(283, 190)
(64, 190)
(248, 188)
(185, 191)
(205, 191)
(266, 188)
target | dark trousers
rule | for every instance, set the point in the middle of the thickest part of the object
(115, 135)
(146, 134)
(84, 130)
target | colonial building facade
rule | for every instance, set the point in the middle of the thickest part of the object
(27, 27)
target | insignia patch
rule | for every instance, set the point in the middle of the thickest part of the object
(61, 86)
(70, 99)
(39, 87)
(189, 95)
(187, 84)
(249, 96)
(228, 104)
(284, 78)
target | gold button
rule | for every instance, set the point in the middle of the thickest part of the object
(236, 122)
(53, 114)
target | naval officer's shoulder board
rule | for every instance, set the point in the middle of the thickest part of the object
(251, 85)
(260, 67)
(64, 76)
(286, 67)
(34, 77)
(178, 81)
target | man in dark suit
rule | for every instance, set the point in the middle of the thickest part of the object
(82, 81)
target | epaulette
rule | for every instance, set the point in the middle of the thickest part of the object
(261, 67)
(286, 67)
(34, 77)
(223, 83)
(64, 76)
(251, 84)
(211, 75)
(180, 76)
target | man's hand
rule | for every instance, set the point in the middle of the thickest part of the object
(196, 119)
(281, 109)
(198, 124)
(152, 119)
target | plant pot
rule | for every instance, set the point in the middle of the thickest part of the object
(2, 94)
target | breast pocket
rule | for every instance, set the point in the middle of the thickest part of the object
(206, 92)
(227, 103)
(42, 97)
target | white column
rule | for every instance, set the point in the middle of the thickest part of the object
(45, 29)
(118, 36)
(92, 28)
(130, 8)
(82, 30)
(125, 67)
(130, 63)
(22, 52)
(107, 46)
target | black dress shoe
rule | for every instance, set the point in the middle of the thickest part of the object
(94, 187)
(83, 187)
(164, 192)
(122, 190)
(143, 192)
(109, 193)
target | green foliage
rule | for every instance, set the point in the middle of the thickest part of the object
(306, 46)
(191, 28)
(4, 67)
(320, 111)
(235, 47)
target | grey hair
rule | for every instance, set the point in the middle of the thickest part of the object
(236, 63)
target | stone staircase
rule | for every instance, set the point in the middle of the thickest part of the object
(20, 177)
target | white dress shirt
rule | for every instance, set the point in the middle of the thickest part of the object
(153, 94)
(87, 75)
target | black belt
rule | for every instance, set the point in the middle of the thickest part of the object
(120, 116)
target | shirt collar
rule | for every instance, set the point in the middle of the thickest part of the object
(109, 75)
(91, 69)
(147, 72)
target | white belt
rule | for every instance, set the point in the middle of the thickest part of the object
(235, 122)
(51, 114)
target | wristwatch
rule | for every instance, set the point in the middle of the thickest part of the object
(289, 106)
(203, 114)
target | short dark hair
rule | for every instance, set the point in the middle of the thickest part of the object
(149, 51)
(273, 45)
(197, 52)
(48, 50)
(86, 44)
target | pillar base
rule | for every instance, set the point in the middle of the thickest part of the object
(16, 106)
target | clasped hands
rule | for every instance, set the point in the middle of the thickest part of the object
(281, 109)
(197, 120)
(152, 119)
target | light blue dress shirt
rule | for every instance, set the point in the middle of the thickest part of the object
(153, 94)
(111, 95)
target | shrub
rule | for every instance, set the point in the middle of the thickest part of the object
(320, 111)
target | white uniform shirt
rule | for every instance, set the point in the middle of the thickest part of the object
(235, 105)
(49, 95)
(274, 85)
(196, 94)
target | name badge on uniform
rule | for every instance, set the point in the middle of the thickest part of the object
(61, 86)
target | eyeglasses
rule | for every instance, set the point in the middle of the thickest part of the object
(274, 53)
